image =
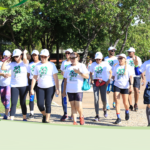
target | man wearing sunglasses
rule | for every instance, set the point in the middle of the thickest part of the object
(64, 65)
(136, 78)
(112, 60)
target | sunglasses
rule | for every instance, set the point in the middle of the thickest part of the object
(120, 58)
(98, 59)
(16, 56)
(129, 52)
(43, 56)
(73, 58)
(112, 50)
(67, 53)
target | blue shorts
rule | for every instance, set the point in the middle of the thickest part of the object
(110, 87)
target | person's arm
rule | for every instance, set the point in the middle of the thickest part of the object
(2, 74)
(64, 88)
(25, 60)
(3, 67)
(91, 77)
(33, 84)
(62, 73)
(110, 75)
(131, 86)
(56, 83)
(143, 79)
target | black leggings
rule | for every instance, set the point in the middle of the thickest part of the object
(47, 95)
(31, 104)
(22, 93)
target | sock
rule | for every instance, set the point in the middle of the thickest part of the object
(32, 112)
(127, 111)
(97, 116)
(65, 113)
(118, 115)
(12, 118)
(148, 114)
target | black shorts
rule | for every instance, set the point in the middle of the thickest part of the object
(75, 96)
(146, 96)
(122, 91)
(136, 82)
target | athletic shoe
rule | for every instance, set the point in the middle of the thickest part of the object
(114, 105)
(64, 117)
(105, 114)
(131, 107)
(135, 107)
(118, 121)
(31, 116)
(97, 119)
(126, 116)
(47, 122)
(75, 123)
(82, 121)
(24, 119)
(70, 118)
(44, 119)
(5, 117)
(108, 107)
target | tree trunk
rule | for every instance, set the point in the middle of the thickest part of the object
(116, 43)
(125, 39)
(57, 55)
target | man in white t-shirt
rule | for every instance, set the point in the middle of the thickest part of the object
(112, 60)
(136, 78)
(63, 67)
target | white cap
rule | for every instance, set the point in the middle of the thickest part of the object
(111, 48)
(44, 52)
(131, 49)
(17, 52)
(35, 52)
(69, 50)
(98, 55)
(6, 53)
(122, 55)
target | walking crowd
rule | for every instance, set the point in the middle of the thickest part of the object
(119, 74)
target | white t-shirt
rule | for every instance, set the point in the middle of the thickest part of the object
(74, 80)
(131, 63)
(4, 81)
(146, 67)
(18, 74)
(101, 70)
(31, 68)
(45, 74)
(121, 80)
(64, 65)
(111, 61)
(89, 66)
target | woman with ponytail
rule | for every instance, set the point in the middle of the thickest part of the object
(121, 74)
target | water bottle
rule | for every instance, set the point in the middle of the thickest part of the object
(31, 98)
(65, 101)
(56, 95)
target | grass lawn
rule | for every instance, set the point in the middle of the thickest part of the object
(2, 109)
(60, 76)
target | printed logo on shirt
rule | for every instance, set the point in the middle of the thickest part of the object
(66, 66)
(32, 69)
(43, 71)
(120, 73)
(131, 63)
(111, 62)
(5, 71)
(98, 71)
(73, 75)
(17, 70)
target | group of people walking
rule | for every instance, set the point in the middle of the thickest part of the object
(118, 74)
